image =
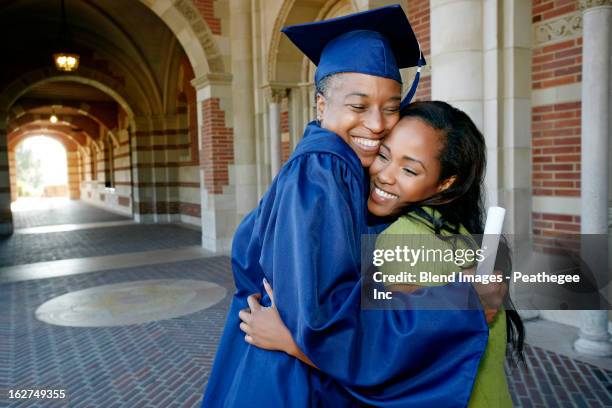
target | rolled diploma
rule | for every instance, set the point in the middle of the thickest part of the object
(490, 240)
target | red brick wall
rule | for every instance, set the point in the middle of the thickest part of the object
(556, 150)
(190, 209)
(557, 64)
(217, 152)
(207, 10)
(418, 15)
(547, 9)
(560, 63)
(556, 128)
(550, 224)
(555, 232)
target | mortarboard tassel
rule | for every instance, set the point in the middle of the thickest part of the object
(415, 84)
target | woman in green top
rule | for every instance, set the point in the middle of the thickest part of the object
(429, 173)
(490, 387)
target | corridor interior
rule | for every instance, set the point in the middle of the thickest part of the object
(115, 312)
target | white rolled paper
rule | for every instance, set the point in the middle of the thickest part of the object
(490, 240)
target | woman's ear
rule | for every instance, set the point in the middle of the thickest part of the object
(446, 183)
(320, 106)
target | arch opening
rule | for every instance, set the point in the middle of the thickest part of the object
(41, 172)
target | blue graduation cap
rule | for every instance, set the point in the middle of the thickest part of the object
(375, 42)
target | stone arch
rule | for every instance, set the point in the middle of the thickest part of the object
(18, 111)
(86, 76)
(63, 138)
(81, 140)
(194, 34)
(292, 62)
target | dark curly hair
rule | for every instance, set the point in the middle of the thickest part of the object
(463, 155)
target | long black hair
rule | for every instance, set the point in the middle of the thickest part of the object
(463, 155)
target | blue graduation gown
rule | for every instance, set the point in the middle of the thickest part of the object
(305, 238)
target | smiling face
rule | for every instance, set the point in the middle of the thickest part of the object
(407, 168)
(362, 109)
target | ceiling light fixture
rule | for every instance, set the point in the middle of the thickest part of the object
(64, 60)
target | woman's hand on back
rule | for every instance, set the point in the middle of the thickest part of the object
(263, 326)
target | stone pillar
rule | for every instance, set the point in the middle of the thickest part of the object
(363, 5)
(301, 111)
(165, 172)
(74, 182)
(514, 117)
(123, 173)
(480, 63)
(216, 143)
(594, 338)
(154, 181)
(12, 174)
(244, 166)
(142, 170)
(457, 55)
(6, 216)
(275, 97)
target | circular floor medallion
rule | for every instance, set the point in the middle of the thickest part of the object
(127, 303)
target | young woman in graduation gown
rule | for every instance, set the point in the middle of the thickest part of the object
(305, 237)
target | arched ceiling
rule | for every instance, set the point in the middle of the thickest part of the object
(122, 40)
(285, 62)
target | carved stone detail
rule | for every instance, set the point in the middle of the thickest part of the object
(563, 28)
(202, 31)
(587, 4)
(275, 94)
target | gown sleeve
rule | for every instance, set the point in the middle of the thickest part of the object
(310, 252)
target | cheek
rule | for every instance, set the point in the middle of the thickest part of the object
(339, 120)
(415, 189)
(376, 167)
(366, 161)
(392, 121)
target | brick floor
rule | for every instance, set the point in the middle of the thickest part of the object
(167, 363)
(23, 249)
(553, 380)
(160, 364)
(69, 212)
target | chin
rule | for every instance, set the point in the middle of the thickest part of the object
(367, 161)
(375, 209)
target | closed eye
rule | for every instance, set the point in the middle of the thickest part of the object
(409, 171)
(392, 110)
(357, 107)
(382, 156)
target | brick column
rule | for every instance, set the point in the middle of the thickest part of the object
(274, 98)
(6, 216)
(13, 174)
(73, 175)
(142, 170)
(216, 143)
